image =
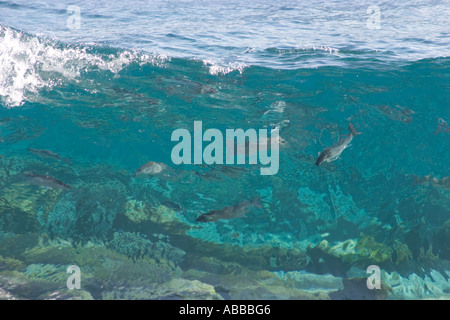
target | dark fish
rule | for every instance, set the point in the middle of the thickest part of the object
(138, 96)
(396, 113)
(230, 212)
(171, 205)
(192, 87)
(45, 181)
(333, 152)
(3, 121)
(48, 155)
(215, 172)
(184, 88)
(208, 175)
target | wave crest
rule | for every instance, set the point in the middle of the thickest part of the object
(29, 64)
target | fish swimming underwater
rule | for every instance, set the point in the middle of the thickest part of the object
(435, 181)
(396, 113)
(48, 155)
(333, 152)
(150, 168)
(230, 212)
(45, 181)
(442, 126)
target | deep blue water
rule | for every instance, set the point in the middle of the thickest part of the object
(109, 94)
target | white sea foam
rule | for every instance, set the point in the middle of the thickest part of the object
(29, 64)
(216, 68)
(326, 49)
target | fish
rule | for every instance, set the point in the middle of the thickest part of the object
(332, 153)
(179, 85)
(396, 113)
(230, 212)
(438, 182)
(45, 181)
(171, 205)
(5, 120)
(442, 126)
(129, 95)
(216, 172)
(185, 88)
(151, 168)
(47, 154)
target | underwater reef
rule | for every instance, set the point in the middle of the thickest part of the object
(131, 246)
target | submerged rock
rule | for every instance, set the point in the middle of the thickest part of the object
(311, 282)
(67, 295)
(363, 250)
(10, 264)
(241, 284)
(433, 286)
(85, 214)
(131, 244)
(137, 246)
(174, 289)
(48, 272)
(136, 211)
(188, 289)
(5, 295)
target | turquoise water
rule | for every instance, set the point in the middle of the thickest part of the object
(108, 96)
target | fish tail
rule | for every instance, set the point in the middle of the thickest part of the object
(320, 159)
(353, 130)
(318, 162)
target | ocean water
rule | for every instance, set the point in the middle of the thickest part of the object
(90, 93)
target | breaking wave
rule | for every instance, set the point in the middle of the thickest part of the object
(29, 64)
